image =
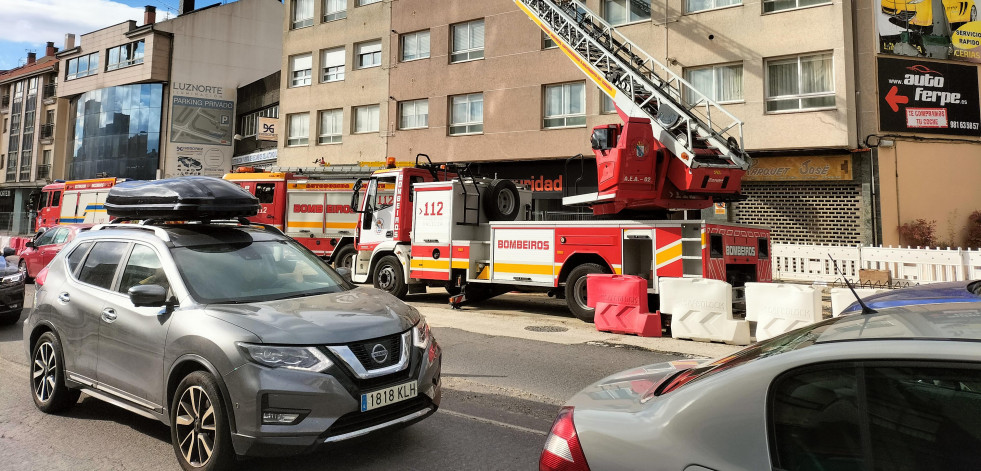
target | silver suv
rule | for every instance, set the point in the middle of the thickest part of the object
(240, 339)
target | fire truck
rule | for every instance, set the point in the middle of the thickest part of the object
(75, 201)
(676, 150)
(310, 204)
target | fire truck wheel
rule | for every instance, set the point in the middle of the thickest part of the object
(389, 277)
(575, 290)
(344, 257)
(501, 201)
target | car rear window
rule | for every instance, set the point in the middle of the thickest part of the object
(77, 255)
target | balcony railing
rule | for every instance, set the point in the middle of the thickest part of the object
(44, 171)
(47, 131)
(49, 90)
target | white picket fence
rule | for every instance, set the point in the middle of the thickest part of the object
(793, 262)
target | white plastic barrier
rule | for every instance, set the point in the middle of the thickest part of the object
(843, 297)
(777, 308)
(701, 309)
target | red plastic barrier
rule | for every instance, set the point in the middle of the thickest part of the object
(17, 243)
(621, 305)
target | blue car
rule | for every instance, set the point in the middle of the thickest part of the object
(934, 293)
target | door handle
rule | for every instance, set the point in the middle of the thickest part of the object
(63, 297)
(109, 315)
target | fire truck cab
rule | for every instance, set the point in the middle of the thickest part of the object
(76, 201)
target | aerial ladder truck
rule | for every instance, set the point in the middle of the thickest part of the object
(676, 150)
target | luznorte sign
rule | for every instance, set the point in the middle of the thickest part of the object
(936, 29)
(811, 168)
(928, 97)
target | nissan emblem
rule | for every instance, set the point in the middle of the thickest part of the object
(379, 353)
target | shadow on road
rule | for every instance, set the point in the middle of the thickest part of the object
(527, 303)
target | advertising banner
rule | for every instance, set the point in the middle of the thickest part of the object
(267, 129)
(937, 29)
(817, 168)
(201, 126)
(928, 97)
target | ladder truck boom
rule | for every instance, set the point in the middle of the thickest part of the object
(705, 142)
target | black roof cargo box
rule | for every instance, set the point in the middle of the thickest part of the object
(192, 198)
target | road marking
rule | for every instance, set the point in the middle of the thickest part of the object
(494, 422)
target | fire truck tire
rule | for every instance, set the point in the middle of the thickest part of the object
(501, 201)
(389, 277)
(575, 290)
(344, 257)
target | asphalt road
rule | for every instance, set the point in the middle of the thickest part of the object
(500, 396)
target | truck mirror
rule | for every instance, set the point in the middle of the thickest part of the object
(603, 138)
(355, 197)
(366, 221)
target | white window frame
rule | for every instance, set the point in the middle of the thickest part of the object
(470, 53)
(469, 127)
(90, 68)
(800, 97)
(332, 71)
(249, 123)
(419, 114)
(131, 49)
(547, 42)
(629, 8)
(331, 11)
(798, 4)
(362, 3)
(566, 118)
(360, 53)
(716, 79)
(414, 38)
(301, 77)
(297, 21)
(604, 99)
(715, 5)
(333, 135)
(365, 111)
(297, 127)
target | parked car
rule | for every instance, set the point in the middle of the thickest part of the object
(11, 292)
(40, 251)
(237, 337)
(931, 293)
(899, 389)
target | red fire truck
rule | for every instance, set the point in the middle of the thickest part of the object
(73, 202)
(309, 204)
(676, 150)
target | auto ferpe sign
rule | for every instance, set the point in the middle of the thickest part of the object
(928, 97)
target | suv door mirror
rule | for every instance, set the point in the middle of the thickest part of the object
(30, 244)
(148, 295)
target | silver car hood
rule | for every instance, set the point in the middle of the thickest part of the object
(336, 318)
(626, 391)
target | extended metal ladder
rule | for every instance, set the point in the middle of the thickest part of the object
(329, 171)
(691, 125)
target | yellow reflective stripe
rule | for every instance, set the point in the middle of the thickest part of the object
(668, 254)
(341, 225)
(430, 264)
(523, 268)
(704, 239)
(465, 264)
(305, 224)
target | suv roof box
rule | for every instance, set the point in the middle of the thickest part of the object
(192, 198)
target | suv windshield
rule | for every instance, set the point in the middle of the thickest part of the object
(254, 271)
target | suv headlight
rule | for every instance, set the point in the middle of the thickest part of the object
(421, 335)
(293, 358)
(12, 279)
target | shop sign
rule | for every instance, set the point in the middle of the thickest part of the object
(928, 97)
(545, 178)
(267, 129)
(937, 29)
(254, 157)
(5, 193)
(817, 168)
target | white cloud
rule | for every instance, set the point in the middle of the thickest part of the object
(37, 21)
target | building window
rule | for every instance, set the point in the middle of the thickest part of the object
(692, 6)
(721, 83)
(302, 13)
(332, 64)
(362, 3)
(565, 105)
(365, 119)
(26, 158)
(547, 42)
(368, 54)
(414, 114)
(11, 174)
(467, 41)
(606, 104)
(770, 6)
(249, 123)
(335, 10)
(125, 55)
(44, 170)
(415, 46)
(331, 124)
(618, 12)
(300, 67)
(467, 114)
(82, 66)
(299, 129)
(800, 83)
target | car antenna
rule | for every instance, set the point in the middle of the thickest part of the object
(865, 308)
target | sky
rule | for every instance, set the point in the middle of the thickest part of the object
(26, 25)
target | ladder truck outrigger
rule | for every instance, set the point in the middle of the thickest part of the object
(676, 150)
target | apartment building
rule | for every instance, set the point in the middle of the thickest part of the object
(33, 120)
(158, 99)
(477, 82)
